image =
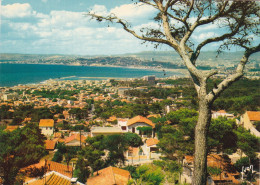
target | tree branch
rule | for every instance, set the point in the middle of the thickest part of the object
(233, 77)
(111, 18)
(166, 26)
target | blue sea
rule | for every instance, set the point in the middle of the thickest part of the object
(14, 74)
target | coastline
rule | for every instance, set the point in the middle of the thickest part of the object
(99, 76)
(183, 71)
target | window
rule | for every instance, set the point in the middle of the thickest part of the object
(123, 127)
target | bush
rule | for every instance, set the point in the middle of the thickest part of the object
(57, 157)
(244, 161)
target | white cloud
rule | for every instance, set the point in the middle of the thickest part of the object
(16, 10)
(202, 36)
(133, 10)
(99, 9)
(45, 1)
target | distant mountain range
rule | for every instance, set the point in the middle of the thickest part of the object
(164, 59)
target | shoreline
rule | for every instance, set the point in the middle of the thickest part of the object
(94, 65)
(180, 73)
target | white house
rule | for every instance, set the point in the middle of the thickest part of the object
(150, 148)
(139, 121)
(47, 126)
(122, 123)
(222, 113)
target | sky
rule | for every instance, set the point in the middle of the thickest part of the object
(61, 27)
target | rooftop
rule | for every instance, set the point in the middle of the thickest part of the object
(106, 130)
(140, 119)
(49, 144)
(254, 115)
(52, 178)
(110, 176)
(151, 141)
(46, 123)
(11, 128)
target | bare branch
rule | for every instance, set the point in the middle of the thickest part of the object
(202, 22)
(149, 3)
(210, 73)
(166, 26)
(188, 14)
(233, 77)
(113, 18)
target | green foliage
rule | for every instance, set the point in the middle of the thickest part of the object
(16, 120)
(79, 113)
(150, 174)
(244, 161)
(58, 157)
(132, 170)
(173, 142)
(116, 145)
(19, 148)
(5, 113)
(133, 140)
(93, 152)
(177, 117)
(214, 170)
(247, 142)
(238, 101)
(168, 165)
(222, 135)
(82, 171)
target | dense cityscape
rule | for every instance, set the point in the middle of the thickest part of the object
(132, 130)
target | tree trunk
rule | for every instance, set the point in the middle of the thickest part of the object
(200, 160)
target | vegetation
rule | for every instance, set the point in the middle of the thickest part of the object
(19, 148)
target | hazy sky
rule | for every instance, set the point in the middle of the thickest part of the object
(60, 27)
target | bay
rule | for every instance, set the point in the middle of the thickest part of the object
(14, 74)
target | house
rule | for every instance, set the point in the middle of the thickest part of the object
(249, 121)
(121, 90)
(47, 127)
(222, 113)
(139, 121)
(95, 131)
(150, 148)
(110, 176)
(11, 128)
(122, 123)
(54, 178)
(75, 140)
(228, 172)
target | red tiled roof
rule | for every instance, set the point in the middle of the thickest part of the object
(140, 119)
(52, 178)
(75, 137)
(215, 160)
(254, 115)
(49, 144)
(11, 128)
(46, 123)
(221, 111)
(152, 141)
(110, 176)
(52, 166)
(111, 119)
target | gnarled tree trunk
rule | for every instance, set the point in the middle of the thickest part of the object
(201, 129)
